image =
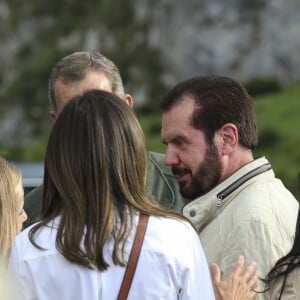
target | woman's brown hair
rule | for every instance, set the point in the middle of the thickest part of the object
(95, 172)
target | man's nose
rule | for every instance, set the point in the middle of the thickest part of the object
(171, 157)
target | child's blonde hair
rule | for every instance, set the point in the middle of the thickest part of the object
(10, 177)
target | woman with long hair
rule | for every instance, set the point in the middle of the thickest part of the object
(94, 195)
(12, 214)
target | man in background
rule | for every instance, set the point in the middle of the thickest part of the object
(82, 71)
(236, 204)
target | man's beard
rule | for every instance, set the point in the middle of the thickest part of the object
(207, 176)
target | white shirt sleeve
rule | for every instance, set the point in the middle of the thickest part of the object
(196, 277)
(19, 275)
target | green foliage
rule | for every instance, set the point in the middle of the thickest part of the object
(262, 85)
(53, 29)
(33, 151)
(278, 121)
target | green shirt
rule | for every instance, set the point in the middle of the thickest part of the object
(162, 186)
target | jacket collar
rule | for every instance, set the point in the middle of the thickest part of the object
(201, 210)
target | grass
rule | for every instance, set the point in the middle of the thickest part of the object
(279, 123)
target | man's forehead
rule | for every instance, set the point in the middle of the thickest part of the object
(178, 118)
(182, 108)
(92, 79)
(66, 89)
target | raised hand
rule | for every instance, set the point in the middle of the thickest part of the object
(240, 284)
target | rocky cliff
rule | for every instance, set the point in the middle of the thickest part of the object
(240, 38)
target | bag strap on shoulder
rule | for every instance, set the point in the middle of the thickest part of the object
(134, 257)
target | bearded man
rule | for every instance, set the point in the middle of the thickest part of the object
(236, 204)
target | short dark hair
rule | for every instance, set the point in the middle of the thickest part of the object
(219, 100)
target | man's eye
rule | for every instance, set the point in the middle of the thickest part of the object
(178, 142)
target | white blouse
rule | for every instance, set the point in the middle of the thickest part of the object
(171, 265)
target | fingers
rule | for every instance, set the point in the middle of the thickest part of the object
(215, 274)
(240, 282)
(252, 282)
(249, 271)
(248, 281)
(238, 266)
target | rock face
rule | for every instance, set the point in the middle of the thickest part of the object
(239, 38)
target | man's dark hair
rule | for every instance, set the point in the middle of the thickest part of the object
(219, 100)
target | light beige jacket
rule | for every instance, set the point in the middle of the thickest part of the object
(291, 290)
(256, 219)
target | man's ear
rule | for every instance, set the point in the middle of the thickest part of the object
(230, 138)
(53, 116)
(128, 99)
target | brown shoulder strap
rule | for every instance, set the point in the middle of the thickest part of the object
(134, 256)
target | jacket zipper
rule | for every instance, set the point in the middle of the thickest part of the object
(227, 191)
